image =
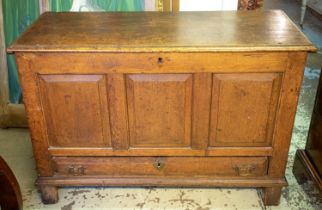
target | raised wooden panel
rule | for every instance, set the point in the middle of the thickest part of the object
(243, 108)
(75, 108)
(159, 109)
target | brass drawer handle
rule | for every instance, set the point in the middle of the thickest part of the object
(158, 164)
(76, 170)
(245, 170)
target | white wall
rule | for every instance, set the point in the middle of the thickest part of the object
(149, 5)
(208, 5)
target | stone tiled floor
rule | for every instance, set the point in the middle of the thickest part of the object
(15, 147)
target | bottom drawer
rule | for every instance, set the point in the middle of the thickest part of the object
(161, 166)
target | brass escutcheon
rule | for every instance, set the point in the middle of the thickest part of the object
(158, 164)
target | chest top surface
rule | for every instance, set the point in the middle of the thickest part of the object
(163, 32)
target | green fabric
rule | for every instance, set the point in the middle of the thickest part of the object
(60, 5)
(18, 15)
(120, 5)
(107, 5)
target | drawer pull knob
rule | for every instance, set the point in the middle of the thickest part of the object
(158, 164)
(160, 60)
(245, 170)
(76, 170)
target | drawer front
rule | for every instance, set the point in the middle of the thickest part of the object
(161, 166)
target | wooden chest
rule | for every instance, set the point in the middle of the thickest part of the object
(161, 99)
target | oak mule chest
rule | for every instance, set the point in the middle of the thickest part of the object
(161, 99)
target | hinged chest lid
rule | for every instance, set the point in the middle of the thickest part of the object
(163, 32)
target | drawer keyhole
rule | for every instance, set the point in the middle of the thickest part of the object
(160, 60)
(158, 164)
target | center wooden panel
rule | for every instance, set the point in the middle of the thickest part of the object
(243, 109)
(75, 108)
(159, 109)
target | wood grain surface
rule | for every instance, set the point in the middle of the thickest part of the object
(151, 31)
